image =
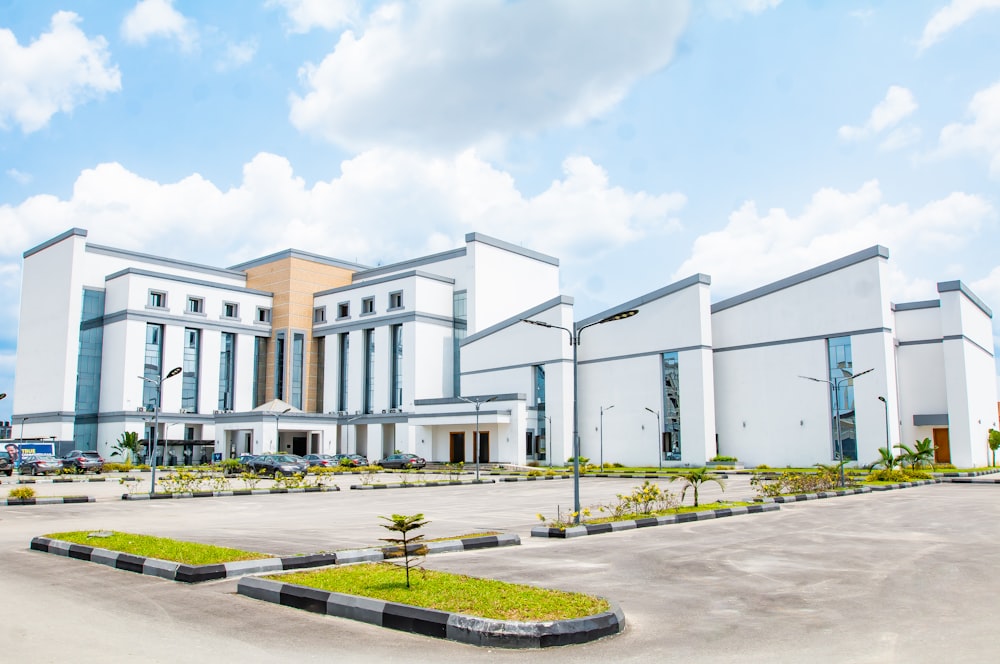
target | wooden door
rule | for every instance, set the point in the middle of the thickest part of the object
(484, 447)
(942, 448)
(457, 447)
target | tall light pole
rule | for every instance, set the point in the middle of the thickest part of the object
(548, 440)
(20, 440)
(603, 410)
(835, 386)
(659, 437)
(885, 403)
(475, 443)
(277, 428)
(156, 425)
(574, 341)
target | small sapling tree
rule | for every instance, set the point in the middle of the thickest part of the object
(994, 442)
(411, 547)
(694, 478)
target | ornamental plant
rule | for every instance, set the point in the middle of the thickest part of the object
(411, 547)
(994, 443)
(694, 478)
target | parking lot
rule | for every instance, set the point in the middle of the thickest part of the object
(901, 576)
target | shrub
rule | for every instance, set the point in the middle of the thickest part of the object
(718, 458)
(898, 475)
(21, 493)
(763, 466)
(645, 499)
(534, 472)
(532, 464)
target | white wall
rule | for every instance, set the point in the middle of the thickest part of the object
(503, 282)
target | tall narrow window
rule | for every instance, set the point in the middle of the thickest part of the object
(227, 370)
(841, 365)
(671, 433)
(279, 366)
(88, 372)
(369, 378)
(396, 370)
(344, 349)
(460, 326)
(298, 356)
(538, 444)
(189, 389)
(260, 371)
(319, 357)
(153, 364)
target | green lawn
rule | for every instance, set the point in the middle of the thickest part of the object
(455, 593)
(190, 553)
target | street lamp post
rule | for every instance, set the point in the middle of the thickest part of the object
(885, 403)
(20, 440)
(156, 425)
(475, 442)
(574, 341)
(659, 437)
(603, 410)
(277, 428)
(548, 440)
(835, 386)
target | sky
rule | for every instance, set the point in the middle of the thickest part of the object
(639, 141)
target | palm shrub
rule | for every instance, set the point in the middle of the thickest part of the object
(921, 454)
(127, 446)
(404, 524)
(887, 460)
(694, 478)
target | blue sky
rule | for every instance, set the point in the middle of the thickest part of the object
(640, 142)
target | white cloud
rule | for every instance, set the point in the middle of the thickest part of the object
(158, 18)
(385, 206)
(982, 134)
(898, 103)
(236, 55)
(954, 15)
(754, 249)
(900, 137)
(445, 76)
(60, 70)
(735, 8)
(324, 14)
(19, 177)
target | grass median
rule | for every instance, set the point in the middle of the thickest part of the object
(162, 548)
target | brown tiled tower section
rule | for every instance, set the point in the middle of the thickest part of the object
(293, 280)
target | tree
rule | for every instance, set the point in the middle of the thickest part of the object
(694, 478)
(128, 446)
(921, 454)
(887, 460)
(404, 524)
(994, 442)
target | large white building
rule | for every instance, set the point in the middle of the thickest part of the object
(309, 354)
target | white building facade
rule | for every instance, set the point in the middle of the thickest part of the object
(309, 354)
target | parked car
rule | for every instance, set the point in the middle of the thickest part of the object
(40, 464)
(322, 460)
(277, 465)
(6, 463)
(350, 460)
(83, 461)
(402, 461)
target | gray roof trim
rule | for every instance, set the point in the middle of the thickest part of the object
(918, 342)
(357, 285)
(73, 232)
(160, 260)
(411, 263)
(799, 340)
(381, 321)
(910, 306)
(650, 353)
(464, 413)
(513, 248)
(669, 289)
(186, 280)
(878, 251)
(524, 365)
(257, 330)
(930, 420)
(557, 301)
(948, 286)
(962, 337)
(510, 396)
(297, 253)
(47, 416)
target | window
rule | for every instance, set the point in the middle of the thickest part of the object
(367, 306)
(671, 434)
(396, 366)
(842, 365)
(230, 310)
(196, 305)
(263, 315)
(152, 364)
(345, 347)
(189, 389)
(396, 300)
(157, 299)
(298, 354)
(279, 366)
(88, 373)
(319, 360)
(540, 386)
(227, 371)
(344, 310)
(460, 325)
(260, 371)
(319, 315)
(368, 394)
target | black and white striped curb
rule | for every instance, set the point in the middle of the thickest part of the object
(819, 495)
(417, 485)
(64, 480)
(533, 478)
(379, 554)
(55, 500)
(438, 624)
(902, 485)
(969, 480)
(220, 494)
(174, 571)
(968, 473)
(616, 526)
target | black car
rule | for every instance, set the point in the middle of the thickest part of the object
(277, 465)
(322, 460)
(6, 463)
(40, 464)
(83, 461)
(403, 461)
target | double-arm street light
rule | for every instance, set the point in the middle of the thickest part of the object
(659, 437)
(835, 386)
(574, 341)
(885, 403)
(475, 443)
(158, 381)
(603, 410)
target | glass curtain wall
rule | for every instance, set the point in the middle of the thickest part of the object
(189, 388)
(320, 359)
(671, 445)
(369, 377)
(841, 365)
(227, 370)
(260, 371)
(396, 393)
(460, 327)
(88, 372)
(345, 347)
(279, 366)
(153, 364)
(298, 357)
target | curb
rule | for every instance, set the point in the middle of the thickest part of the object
(903, 485)
(615, 526)
(799, 497)
(416, 485)
(968, 480)
(174, 571)
(62, 480)
(221, 494)
(61, 500)
(536, 478)
(439, 624)
(971, 473)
